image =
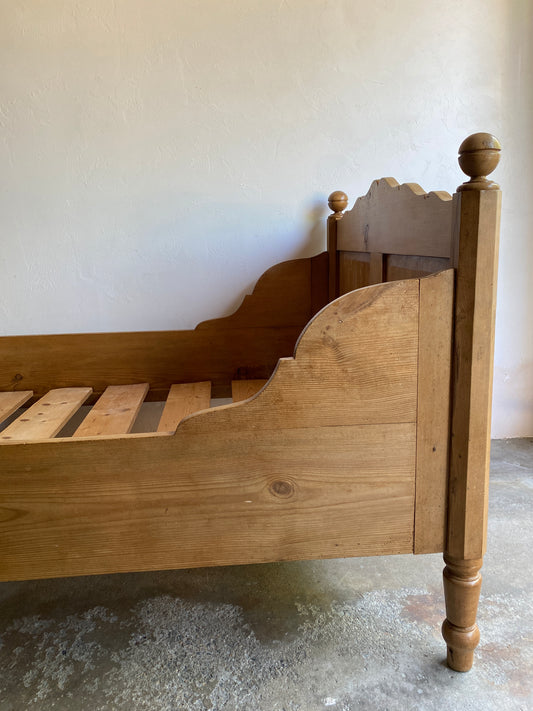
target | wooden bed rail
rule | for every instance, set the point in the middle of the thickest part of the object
(246, 344)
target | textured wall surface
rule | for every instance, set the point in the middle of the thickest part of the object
(157, 156)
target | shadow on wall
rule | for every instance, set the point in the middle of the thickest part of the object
(312, 242)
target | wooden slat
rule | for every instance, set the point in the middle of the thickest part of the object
(48, 415)
(243, 389)
(11, 401)
(115, 411)
(433, 412)
(184, 399)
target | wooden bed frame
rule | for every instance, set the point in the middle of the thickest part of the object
(370, 437)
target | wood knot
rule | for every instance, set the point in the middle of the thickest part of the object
(281, 488)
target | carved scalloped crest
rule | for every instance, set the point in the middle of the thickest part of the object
(415, 188)
(398, 219)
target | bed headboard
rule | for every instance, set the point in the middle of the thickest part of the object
(393, 232)
(396, 231)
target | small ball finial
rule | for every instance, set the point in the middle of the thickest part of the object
(479, 154)
(338, 201)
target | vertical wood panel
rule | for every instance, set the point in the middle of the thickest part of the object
(376, 275)
(354, 271)
(433, 416)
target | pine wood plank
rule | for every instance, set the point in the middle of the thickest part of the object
(376, 268)
(433, 412)
(398, 219)
(183, 500)
(47, 416)
(243, 389)
(11, 401)
(115, 412)
(184, 399)
(354, 271)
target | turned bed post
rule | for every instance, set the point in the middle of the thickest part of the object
(338, 202)
(477, 213)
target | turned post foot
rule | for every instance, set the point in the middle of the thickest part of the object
(462, 584)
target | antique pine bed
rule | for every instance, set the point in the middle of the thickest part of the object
(370, 437)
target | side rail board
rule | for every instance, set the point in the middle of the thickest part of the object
(322, 462)
(262, 330)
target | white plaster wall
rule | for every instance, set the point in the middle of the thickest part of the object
(513, 361)
(158, 155)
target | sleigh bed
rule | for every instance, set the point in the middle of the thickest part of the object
(361, 381)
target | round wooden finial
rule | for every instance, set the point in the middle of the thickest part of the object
(479, 154)
(338, 201)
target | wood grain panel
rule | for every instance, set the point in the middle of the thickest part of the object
(399, 266)
(376, 275)
(80, 507)
(433, 416)
(160, 358)
(398, 219)
(354, 271)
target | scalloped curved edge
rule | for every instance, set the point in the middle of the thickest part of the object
(314, 343)
(413, 188)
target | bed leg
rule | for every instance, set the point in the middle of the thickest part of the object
(462, 584)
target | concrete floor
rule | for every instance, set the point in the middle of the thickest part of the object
(341, 635)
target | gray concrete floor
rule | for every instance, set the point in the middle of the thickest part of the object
(340, 635)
